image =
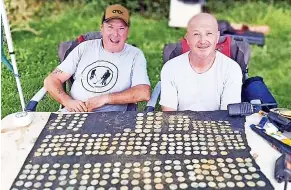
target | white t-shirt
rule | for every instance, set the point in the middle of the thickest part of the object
(184, 89)
(97, 72)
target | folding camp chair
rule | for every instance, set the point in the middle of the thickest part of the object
(235, 48)
(63, 51)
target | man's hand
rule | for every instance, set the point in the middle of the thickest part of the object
(75, 106)
(97, 102)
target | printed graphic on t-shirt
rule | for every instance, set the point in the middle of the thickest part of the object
(99, 76)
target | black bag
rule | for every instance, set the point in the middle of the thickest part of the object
(255, 88)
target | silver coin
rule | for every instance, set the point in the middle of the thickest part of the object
(52, 177)
(261, 183)
(140, 114)
(19, 183)
(221, 185)
(169, 180)
(255, 175)
(28, 184)
(248, 177)
(251, 184)
(238, 177)
(211, 184)
(173, 186)
(202, 184)
(114, 181)
(227, 175)
(252, 169)
(200, 177)
(230, 184)
(240, 184)
(48, 184)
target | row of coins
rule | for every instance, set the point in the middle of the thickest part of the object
(182, 123)
(199, 129)
(186, 119)
(220, 122)
(68, 121)
(185, 124)
(215, 127)
(203, 173)
(131, 150)
(150, 114)
(151, 143)
(186, 137)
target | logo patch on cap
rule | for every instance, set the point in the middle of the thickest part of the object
(117, 11)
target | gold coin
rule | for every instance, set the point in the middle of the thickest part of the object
(205, 166)
(157, 180)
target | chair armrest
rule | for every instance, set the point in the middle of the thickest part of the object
(154, 98)
(132, 107)
(31, 106)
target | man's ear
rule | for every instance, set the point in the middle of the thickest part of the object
(186, 38)
(101, 29)
(218, 36)
(128, 33)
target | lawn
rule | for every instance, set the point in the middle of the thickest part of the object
(37, 54)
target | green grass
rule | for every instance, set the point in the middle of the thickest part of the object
(37, 55)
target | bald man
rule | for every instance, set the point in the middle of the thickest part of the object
(202, 79)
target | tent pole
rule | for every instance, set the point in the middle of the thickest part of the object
(11, 52)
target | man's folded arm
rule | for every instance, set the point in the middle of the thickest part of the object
(53, 84)
(134, 94)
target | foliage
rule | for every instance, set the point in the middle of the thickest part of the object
(20, 13)
(161, 8)
(147, 8)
